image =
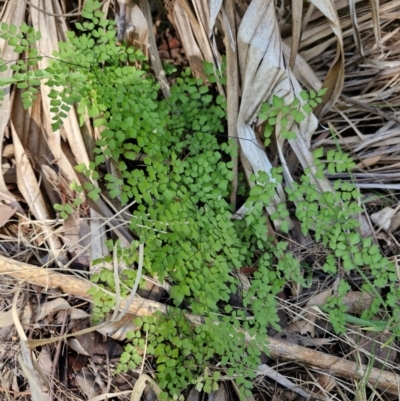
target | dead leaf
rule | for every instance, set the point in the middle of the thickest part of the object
(306, 323)
(140, 386)
(74, 236)
(326, 382)
(219, 395)
(387, 219)
(12, 13)
(357, 301)
(194, 395)
(40, 313)
(5, 213)
(369, 161)
(136, 28)
(87, 383)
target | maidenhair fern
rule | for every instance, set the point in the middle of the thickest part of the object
(173, 160)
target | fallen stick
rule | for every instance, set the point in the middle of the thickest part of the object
(333, 365)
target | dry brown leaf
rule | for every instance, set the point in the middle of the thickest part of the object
(25, 357)
(31, 316)
(30, 189)
(369, 161)
(87, 383)
(356, 32)
(13, 13)
(357, 302)
(140, 385)
(193, 38)
(75, 238)
(5, 213)
(118, 330)
(268, 371)
(335, 78)
(220, 395)
(306, 323)
(297, 17)
(233, 87)
(47, 45)
(215, 6)
(264, 74)
(194, 395)
(387, 219)
(326, 382)
(98, 238)
(153, 51)
(45, 360)
(136, 28)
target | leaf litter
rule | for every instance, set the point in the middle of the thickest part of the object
(349, 47)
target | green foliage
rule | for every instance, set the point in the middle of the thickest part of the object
(277, 113)
(174, 162)
(183, 353)
(65, 210)
(23, 40)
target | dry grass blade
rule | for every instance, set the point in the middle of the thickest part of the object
(232, 90)
(47, 45)
(153, 52)
(30, 189)
(356, 32)
(265, 370)
(261, 68)
(215, 7)
(376, 22)
(186, 30)
(25, 358)
(13, 13)
(335, 78)
(297, 14)
(264, 74)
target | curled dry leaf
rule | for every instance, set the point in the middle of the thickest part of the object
(264, 74)
(140, 386)
(47, 45)
(335, 78)
(194, 395)
(30, 315)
